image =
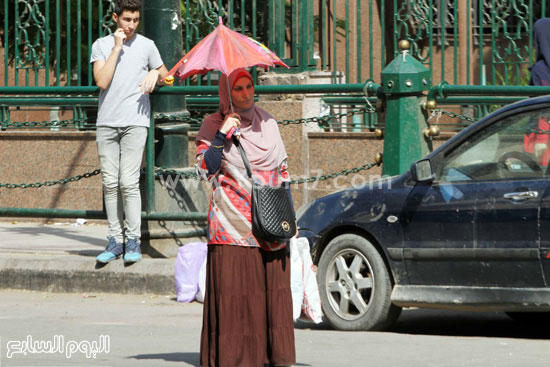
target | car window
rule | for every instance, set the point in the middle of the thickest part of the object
(515, 147)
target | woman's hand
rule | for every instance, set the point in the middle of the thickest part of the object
(231, 120)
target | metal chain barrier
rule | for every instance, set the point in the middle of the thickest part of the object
(54, 123)
(323, 120)
(336, 174)
(176, 118)
(51, 183)
(159, 170)
(440, 112)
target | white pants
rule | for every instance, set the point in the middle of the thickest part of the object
(120, 156)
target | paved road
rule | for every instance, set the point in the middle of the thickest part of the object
(60, 238)
(157, 331)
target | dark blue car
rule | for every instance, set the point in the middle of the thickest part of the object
(467, 228)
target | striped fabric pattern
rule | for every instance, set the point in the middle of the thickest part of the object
(229, 214)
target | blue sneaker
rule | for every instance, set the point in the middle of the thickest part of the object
(132, 251)
(112, 251)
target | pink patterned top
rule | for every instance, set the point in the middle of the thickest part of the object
(229, 214)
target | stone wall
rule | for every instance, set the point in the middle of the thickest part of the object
(39, 156)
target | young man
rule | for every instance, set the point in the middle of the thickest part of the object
(127, 66)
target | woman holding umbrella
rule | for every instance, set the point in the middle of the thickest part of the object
(247, 319)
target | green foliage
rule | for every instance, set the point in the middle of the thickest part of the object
(200, 17)
(512, 74)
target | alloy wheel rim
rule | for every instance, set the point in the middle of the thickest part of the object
(349, 284)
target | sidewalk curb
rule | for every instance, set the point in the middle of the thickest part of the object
(69, 273)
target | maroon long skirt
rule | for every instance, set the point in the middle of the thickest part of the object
(247, 315)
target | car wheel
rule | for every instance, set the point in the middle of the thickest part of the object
(355, 286)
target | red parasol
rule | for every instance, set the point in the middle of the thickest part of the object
(224, 50)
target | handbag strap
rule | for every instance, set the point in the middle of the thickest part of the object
(243, 156)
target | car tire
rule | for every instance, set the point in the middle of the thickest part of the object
(355, 286)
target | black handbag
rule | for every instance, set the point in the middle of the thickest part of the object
(273, 219)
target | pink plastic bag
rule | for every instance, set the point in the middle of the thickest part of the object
(189, 260)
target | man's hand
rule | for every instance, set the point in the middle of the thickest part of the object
(105, 69)
(148, 84)
(164, 78)
(120, 38)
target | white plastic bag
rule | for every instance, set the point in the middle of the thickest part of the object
(202, 283)
(189, 261)
(296, 279)
(302, 271)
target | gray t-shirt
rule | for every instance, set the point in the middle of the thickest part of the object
(122, 103)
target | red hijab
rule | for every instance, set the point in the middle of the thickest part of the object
(260, 137)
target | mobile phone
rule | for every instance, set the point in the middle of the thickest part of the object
(230, 133)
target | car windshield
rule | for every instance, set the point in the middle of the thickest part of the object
(513, 147)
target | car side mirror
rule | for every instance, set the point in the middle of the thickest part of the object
(421, 171)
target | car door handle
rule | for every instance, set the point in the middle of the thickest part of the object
(521, 196)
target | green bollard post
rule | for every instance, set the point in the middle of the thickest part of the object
(171, 147)
(172, 192)
(162, 24)
(403, 82)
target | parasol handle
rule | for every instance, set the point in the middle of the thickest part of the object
(229, 91)
(232, 131)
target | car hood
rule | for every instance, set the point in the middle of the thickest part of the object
(365, 204)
